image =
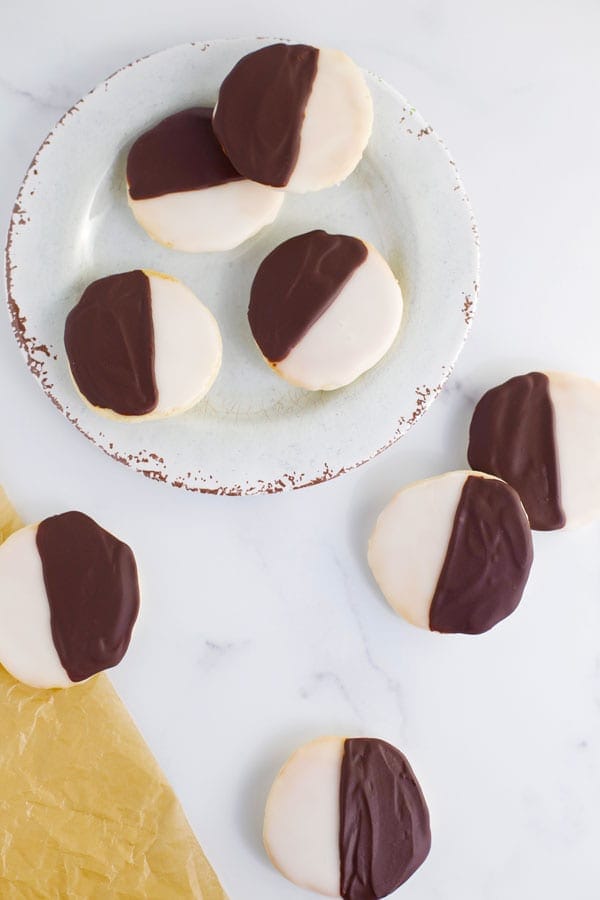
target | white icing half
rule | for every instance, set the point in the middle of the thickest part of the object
(337, 124)
(214, 218)
(353, 334)
(187, 345)
(408, 546)
(576, 403)
(27, 649)
(302, 817)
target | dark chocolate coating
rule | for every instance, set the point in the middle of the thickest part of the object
(260, 110)
(295, 284)
(92, 588)
(181, 153)
(384, 820)
(487, 562)
(512, 435)
(109, 338)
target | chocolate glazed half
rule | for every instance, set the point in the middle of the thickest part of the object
(260, 110)
(181, 153)
(384, 820)
(295, 284)
(487, 562)
(513, 436)
(92, 588)
(109, 339)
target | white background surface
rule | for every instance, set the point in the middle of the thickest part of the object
(261, 627)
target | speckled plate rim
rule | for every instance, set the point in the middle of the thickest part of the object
(149, 463)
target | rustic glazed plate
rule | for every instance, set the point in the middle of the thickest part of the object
(254, 432)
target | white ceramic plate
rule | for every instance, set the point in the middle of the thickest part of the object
(253, 433)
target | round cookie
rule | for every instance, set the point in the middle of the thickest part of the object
(346, 817)
(324, 308)
(185, 193)
(141, 345)
(453, 553)
(69, 598)
(540, 432)
(294, 116)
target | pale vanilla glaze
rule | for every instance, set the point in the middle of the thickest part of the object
(576, 404)
(27, 648)
(211, 219)
(302, 817)
(337, 124)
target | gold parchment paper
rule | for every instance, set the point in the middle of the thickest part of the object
(85, 811)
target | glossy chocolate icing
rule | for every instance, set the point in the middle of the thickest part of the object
(294, 286)
(109, 338)
(384, 820)
(512, 435)
(181, 153)
(260, 110)
(92, 588)
(487, 562)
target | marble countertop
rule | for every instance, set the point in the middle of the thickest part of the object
(261, 625)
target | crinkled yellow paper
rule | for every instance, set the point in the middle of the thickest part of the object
(85, 811)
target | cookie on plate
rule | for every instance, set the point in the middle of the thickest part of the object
(186, 194)
(540, 432)
(141, 345)
(346, 817)
(324, 308)
(294, 116)
(453, 553)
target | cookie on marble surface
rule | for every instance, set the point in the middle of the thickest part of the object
(324, 308)
(141, 345)
(294, 116)
(346, 817)
(540, 432)
(69, 598)
(453, 553)
(186, 194)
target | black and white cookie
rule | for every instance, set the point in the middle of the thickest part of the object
(69, 598)
(141, 345)
(324, 308)
(453, 553)
(185, 192)
(541, 433)
(294, 116)
(346, 817)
